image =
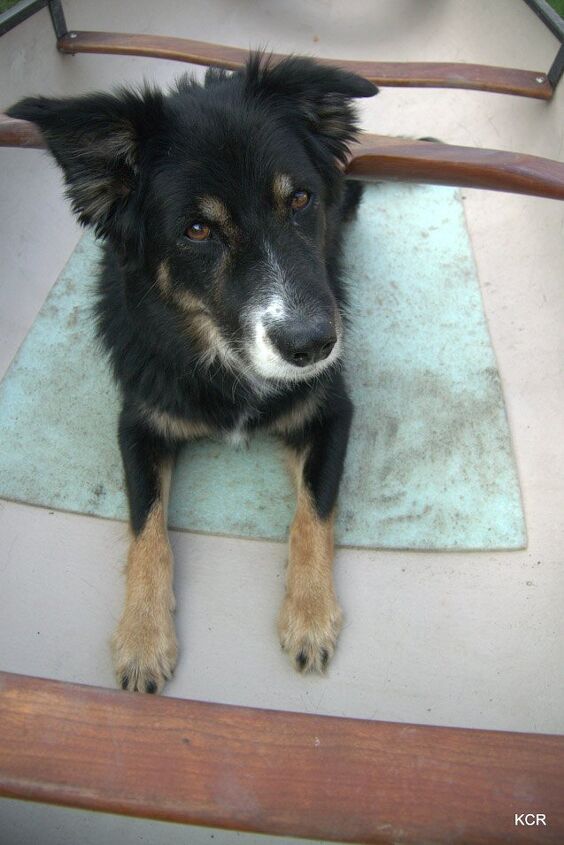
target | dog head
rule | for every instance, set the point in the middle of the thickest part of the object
(222, 201)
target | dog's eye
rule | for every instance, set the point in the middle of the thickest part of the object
(300, 200)
(198, 232)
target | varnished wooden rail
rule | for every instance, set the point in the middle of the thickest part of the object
(274, 772)
(379, 158)
(19, 133)
(393, 159)
(500, 80)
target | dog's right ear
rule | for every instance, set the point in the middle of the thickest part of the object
(98, 141)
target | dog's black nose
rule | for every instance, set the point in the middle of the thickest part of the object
(304, 342)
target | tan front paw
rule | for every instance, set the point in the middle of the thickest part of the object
(308, 630)
(145, 652)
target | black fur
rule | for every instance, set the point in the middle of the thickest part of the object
(136, 165)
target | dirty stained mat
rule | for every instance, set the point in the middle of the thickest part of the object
(430, 465)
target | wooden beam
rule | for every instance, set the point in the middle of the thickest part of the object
(19, 133)
(382, 158)
(288, 774)
(523, 83)
(377, 158)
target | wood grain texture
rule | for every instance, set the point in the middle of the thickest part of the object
(19, 133)
(273, 772)
(382, 158)
(395, 159)
(523, 83)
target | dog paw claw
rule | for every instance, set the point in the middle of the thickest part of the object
(309, 634)
(144, 654)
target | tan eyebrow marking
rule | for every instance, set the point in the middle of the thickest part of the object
(282, 187)
(215, 211)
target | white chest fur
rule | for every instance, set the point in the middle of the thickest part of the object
(238, 436)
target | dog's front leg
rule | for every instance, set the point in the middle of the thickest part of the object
(144, 644)
(310, 618)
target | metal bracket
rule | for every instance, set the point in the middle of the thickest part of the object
(58, 18)
(548, 16)
(26, 8)
(557, 69)
(18, 13)
(555, 23)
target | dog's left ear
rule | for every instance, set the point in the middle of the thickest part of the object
(314, 95)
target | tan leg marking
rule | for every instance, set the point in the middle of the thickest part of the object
(144, 644)
(310, 618)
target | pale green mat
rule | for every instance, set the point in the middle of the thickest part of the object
(430, 463)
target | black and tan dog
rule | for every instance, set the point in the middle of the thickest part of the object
(221, 307)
